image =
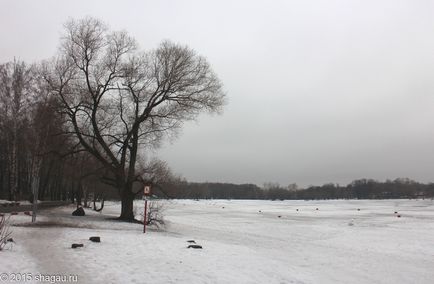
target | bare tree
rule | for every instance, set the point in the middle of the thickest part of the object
(120, 101)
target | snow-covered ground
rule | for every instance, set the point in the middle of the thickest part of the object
(240, 244)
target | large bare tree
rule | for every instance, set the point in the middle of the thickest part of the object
(119, 100)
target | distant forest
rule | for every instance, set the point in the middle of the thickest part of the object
(358, 189)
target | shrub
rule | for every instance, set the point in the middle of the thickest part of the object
(4, 231)
(154, 214)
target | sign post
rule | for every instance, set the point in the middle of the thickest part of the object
(146, 193)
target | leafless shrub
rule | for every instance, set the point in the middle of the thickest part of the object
(5, 231)
(154, 215)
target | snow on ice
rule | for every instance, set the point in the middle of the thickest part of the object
(243, 242)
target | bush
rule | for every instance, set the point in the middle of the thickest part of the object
(5, 232)
(154, 215)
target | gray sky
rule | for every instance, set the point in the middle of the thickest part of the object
(318, 91)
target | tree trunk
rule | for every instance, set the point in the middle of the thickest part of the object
(85, 196)
(14, 168)
(36, 171)
(127, 200)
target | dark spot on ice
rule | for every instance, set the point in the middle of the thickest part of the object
(195, 246)
(95, 239)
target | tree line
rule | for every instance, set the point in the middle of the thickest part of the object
(36, 150)
(357, 189)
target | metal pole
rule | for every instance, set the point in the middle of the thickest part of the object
(144, 218)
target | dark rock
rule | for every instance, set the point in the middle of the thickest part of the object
(27, 213)
(195, 246)
(396, 212)
(259, 211)
(78, 212)
(296, 209)
(358, 209)
(95, 239)
(223, 207)
(14, 213)
(279, 216)
(191, 241)
(10, 240)
(399, 216)
(77, 246)
(317, 209)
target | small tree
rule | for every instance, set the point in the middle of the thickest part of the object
(118, 100)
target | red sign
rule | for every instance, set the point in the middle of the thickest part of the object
(147, 190)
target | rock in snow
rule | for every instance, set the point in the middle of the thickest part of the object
(78, 212)
(95, 239)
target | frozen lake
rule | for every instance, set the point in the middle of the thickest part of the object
(316, 246)
(344, 241)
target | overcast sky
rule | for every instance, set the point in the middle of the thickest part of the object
(318, 91)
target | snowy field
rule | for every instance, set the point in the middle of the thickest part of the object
(240, 244)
